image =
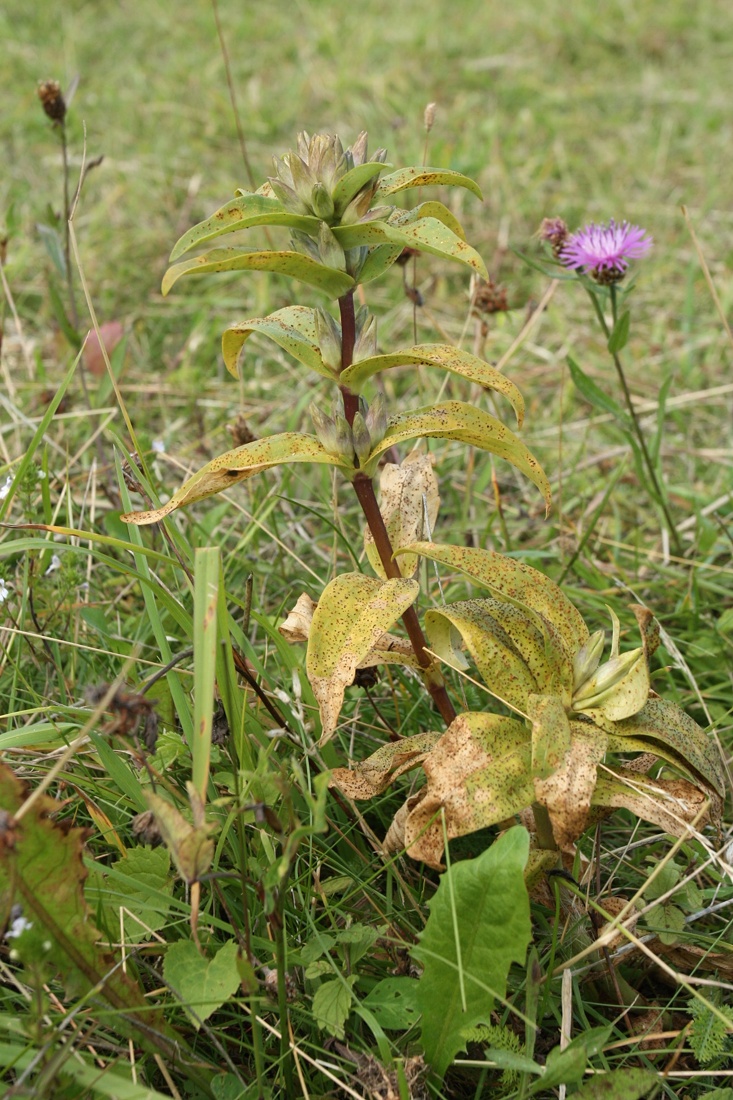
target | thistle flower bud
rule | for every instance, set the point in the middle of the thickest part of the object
(376, 419)
(365, 345)
(556, 233)
(361, 438)
(52, 100)
(321, 201)
(328, 334)
(587, 659)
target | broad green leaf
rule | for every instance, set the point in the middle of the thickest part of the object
(328, 279)
(437, 355)
(352, 182)
(371, 776)
(672, 804)
(86, 1075)
(42, 871)
(243, 212)
(478, 926)
(244, 462)
(478, 773)
(202, 985)
(619, 1084)
(466, 424)
(406, 492)
(516, 582)
(404, 178)
(332, 1005)
(393, 1003)
(668, 921)
(619, 338)
(568, 1066)
(617, 690)
(425, 234)
(428, 210)
(667, 723)
(146, 892)
(293, 328)
(352, 615)
(379, 259)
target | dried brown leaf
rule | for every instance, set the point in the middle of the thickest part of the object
(371, 776)
(402, 489)
(296, 627)
(568, 791)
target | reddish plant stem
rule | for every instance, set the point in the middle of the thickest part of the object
(364, 489)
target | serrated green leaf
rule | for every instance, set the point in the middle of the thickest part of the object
(352, 182)
(405, 178)
(619, 338)
(619, 1084)
(478, 773)
(478, 926)
(466, 424)
(393, 1003)
(352, 614)
(293, 328)
(667, 723)
(593, 393)
(238, 465)
(332, 1005)
(294, 264)
(425, 234)
(515, 582)
(146, 894)
(243, 212)
(202, 985)
(667, 921)
(437, 355)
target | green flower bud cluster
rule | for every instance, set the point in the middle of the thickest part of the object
(354, 441)
(614, 690)
(306, 180)
(328, 334)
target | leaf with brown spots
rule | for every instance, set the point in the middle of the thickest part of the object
(403, 489)
(426, 234)
(405, 178)
(446, 356)
(568, 791)
(466, 424)
(672, 804)
(372, 776)
(328, 279)
(292, 328)
(244, 462)
(478, 773)
(664, 723)
(352, 615)
(515, 582)
(243, 212)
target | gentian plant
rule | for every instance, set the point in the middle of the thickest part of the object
(562, 708)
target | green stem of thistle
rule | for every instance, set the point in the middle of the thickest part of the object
(364, 489)
(658, 493)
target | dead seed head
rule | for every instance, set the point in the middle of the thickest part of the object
(52, 100)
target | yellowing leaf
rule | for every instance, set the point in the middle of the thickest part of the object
(666, 724)
(373, 775)
(328, 279)
(352, 615)
(438, 355)
(618, 689)
(550, 734)
(244, 462)
(568, 790)
(478, 773)
(426, 234)
(402, 490)
(672, 804)
(297, 626)
(466, 424)
(243, 212)
(191, 846)
(293, 328)
(405, 178)
(515, 582)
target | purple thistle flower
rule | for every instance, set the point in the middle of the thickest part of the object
(604, 251)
